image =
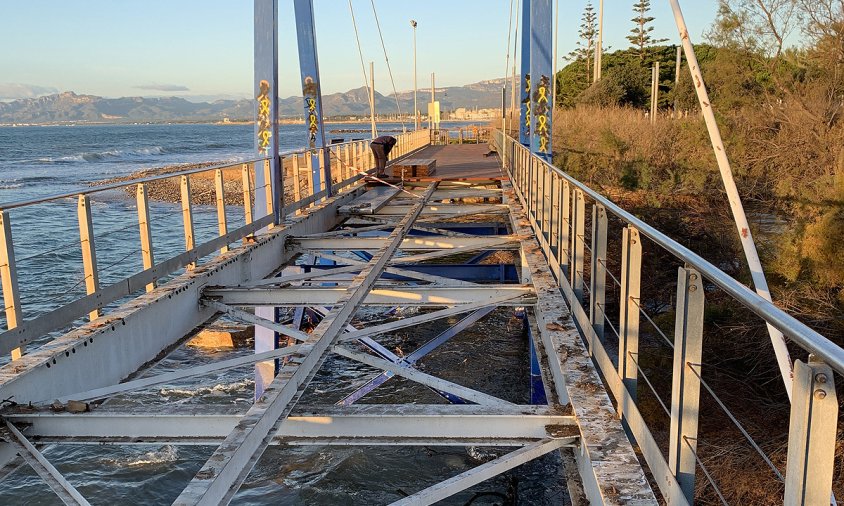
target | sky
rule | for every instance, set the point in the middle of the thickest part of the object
(202, 49)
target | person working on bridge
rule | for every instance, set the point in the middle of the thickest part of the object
(381, 148)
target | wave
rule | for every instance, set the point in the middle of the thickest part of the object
(216, 390)
(164, 455)
(109, 155)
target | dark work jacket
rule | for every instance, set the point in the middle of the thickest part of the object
(387, 141)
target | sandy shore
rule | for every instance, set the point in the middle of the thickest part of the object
(202, 184)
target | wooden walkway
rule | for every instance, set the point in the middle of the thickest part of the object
(458, 161)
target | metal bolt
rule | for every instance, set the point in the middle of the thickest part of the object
(821, 378)
(692, 288)
(820, 394)
(693, 276)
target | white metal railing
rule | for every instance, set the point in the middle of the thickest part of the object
(556, 205)
(349, 161)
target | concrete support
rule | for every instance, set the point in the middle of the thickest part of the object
(89, 250)
(685, 385)
(598, 275)
(811, 435)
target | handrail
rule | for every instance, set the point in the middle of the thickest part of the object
(20, 332)
(800, 333)
(123, 184)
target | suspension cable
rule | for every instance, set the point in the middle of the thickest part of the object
(362, 65)
(509, 33)
(389, 70)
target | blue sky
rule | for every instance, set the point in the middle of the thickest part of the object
(202, 49)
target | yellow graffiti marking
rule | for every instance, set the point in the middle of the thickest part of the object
(264, 124)
(543, 95)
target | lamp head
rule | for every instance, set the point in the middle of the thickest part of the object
(413, 23)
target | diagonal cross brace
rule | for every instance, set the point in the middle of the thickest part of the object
(63, 489)
(414, 357)
(224, 472)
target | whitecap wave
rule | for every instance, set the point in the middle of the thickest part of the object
(163, 455)
(219, 389)
(111, 154)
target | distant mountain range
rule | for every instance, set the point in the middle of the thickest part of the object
(68, 107)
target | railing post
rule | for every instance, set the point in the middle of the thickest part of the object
(268, 190)
(565, 229)
(187, 218)
(321, 156)
(685, 384)
(89, 250)
(246, 177)
(598, 274)
(554, 226)
(628, 318)
(578, 243)
(222, 221)
(145, 229)
(297, 183)
(9, 278)
(546, 205)
(811, 435)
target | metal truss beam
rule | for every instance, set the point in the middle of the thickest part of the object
(414, 357)
(421, 378)
(428, 317)
(224, 472)
(372, 423)
(58, 484)
(304, 276)
(245, 317)
(446, 209)
(399, 296)
(419, 243)
(462, 481)
(140, 384)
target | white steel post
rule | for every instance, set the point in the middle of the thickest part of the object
(222, 221)
(811, 435)
(598, 275)
(685, 384)
(628, 318)
(89, 251)
(756, 271)
(145, 230)
(246, 177)
(578, 243)
(187, 218)
(9, 278)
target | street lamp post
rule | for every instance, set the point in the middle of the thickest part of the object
(415, 107)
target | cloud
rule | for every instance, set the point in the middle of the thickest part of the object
(14, 91)
(163, 87)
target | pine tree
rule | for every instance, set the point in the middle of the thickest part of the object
(640, 36)
(588, 34)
